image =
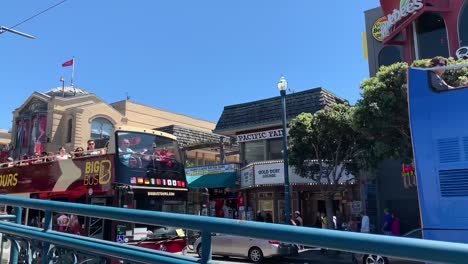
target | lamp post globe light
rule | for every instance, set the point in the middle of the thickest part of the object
(282, 86)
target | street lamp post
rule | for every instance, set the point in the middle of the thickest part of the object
(282, 86)
(5, 29)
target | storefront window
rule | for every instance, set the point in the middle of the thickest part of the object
(432, 36)
(275, 149)
(389, 55)
(254, 151)
(463, 25)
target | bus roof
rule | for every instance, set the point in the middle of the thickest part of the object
(145, 130)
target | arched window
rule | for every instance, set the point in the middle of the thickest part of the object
(101, 128)
(432, 36)
(389, 55)
(463, 25)
(70, 130)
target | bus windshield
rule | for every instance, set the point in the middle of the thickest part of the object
(149, 160)
(138, 149)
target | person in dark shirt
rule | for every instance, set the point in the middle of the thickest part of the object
(436, 75)
(259, 217)
(318, 221)
(269, 218)
(388, 221)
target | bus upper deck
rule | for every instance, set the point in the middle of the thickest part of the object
(440, 143)
(140, 158)
(141, 169)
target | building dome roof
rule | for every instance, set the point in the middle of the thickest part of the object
(67, 91)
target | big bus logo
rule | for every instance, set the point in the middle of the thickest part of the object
(97, 172)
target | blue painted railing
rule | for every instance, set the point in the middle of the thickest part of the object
(407, 248)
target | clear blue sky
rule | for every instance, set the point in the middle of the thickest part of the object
(189, 57)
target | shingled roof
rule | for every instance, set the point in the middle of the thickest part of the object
(191, 139)
(269, 112)
(187, 136)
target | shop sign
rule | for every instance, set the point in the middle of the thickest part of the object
(276, 133)
(213, 169)
(272, 173)
(140, 233)
(247, 177)
(376, 28)
(161, 194)
(407, 7)
(356, 207)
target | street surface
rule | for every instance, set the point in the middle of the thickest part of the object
(305, 257)
(309, 256)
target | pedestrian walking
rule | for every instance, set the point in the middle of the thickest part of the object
(395, 225)
(388, 221)
(259, 217)
(268, 218)
(353, 227)
(365, 225)
(298, 219)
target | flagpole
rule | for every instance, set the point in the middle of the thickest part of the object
(73, 71)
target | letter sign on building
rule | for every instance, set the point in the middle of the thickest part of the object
(276, 133)
(407, 8)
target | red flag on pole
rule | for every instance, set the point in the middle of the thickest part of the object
(68, 63)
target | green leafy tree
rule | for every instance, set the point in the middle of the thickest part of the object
(321, 147)
(189, 163)
(382, 113)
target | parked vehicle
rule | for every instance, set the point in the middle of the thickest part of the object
(254, 249)
(377, 259)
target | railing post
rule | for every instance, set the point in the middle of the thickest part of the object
(206, 247)
(15, 246)
(45, 246)
(1, 249)
(4, 218)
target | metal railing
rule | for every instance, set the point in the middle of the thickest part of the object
(406, 248)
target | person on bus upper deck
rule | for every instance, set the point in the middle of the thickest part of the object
(62, 154)
(78, 152)
(50, 156)
(166, 157)
(24, 160)
(91, 149)
(436, 75)
(125, 153)
(164, 153)
(151, 154)
(36, 158)
(11, 162)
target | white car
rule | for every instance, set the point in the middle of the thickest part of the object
(236, 246)
(378, 259)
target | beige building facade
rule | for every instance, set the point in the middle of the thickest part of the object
(69, 117)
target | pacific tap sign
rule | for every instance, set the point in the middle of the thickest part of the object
(276, 133)
(407, 7)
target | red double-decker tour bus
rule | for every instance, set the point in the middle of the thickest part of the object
(139, 168)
